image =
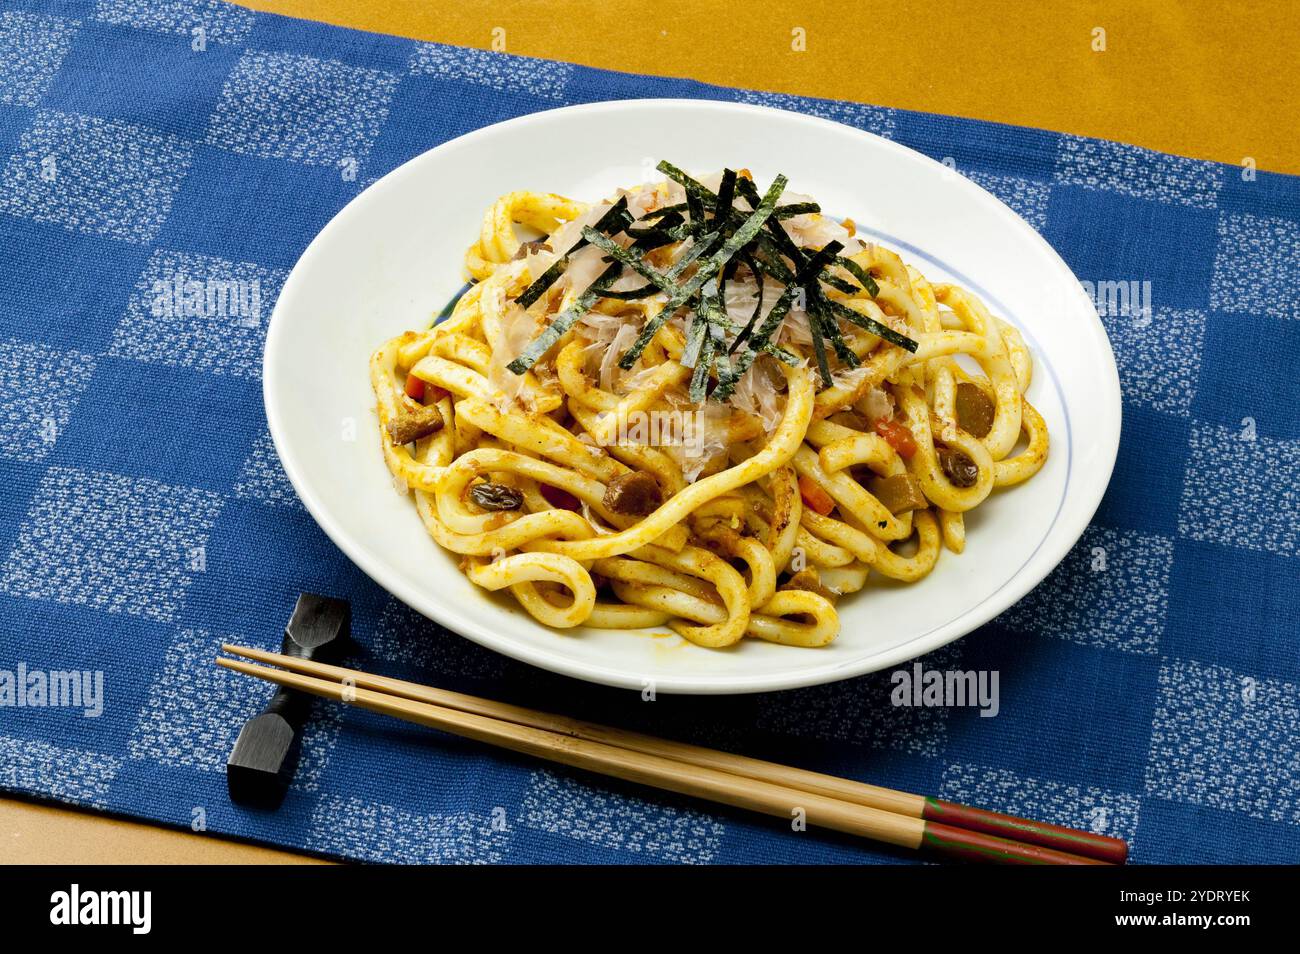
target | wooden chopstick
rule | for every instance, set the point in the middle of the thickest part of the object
(1070, 840)
(678, 767)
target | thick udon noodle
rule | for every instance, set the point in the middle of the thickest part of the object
(743, 542)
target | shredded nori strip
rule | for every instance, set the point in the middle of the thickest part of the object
(726, 194)
(820, 320)
(692, 186)
(617, 218)
(837, 283)
(631, 294)
(819, 350)
(704, 245)
(544, 281)
(712, 315)
(665, 218)
(728, 273)
(791, 209)
(775, 351)
(861, 274)
(733, 244)
(768, 258)
(830, 330)
(749, 191)
(774, 240)
(785, 357)
(784, 244)
(700, 377)
(721, 360)
(655, 236)
(564, 320)
(662, 211)
(649, 239)
(818, 261)
(776, 316)
(761, 338)
(724, 237)
(695, 208)
(870, 324)
(706, 195)
(632, 261)
(820, 324)
(695, 336)
(758, 306)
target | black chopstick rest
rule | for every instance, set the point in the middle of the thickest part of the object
(262, 762)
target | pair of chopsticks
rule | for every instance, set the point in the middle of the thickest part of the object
(880, 814)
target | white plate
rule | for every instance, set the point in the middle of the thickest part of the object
(393, 257)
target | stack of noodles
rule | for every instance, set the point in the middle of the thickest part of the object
(836, 413)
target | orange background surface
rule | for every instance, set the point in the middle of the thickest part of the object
(1213, 80)
(1210, 80)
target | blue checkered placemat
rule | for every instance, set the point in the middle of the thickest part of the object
(1147, 689)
